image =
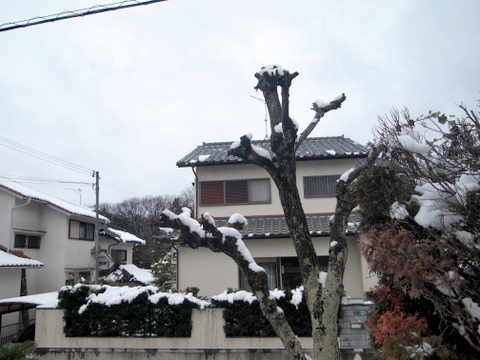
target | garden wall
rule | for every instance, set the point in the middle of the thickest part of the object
(207, 342)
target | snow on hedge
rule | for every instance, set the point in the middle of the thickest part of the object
(115, 295)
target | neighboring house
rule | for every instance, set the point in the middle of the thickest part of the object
(13, 267)
(60, 235)
(226, 185)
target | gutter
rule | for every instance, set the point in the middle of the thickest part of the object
(12, 235)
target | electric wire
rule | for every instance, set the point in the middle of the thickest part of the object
(75, 13)
(45, 157)
(36, 180)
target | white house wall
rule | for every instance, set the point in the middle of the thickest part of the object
(213, 272)
(248, 171)
(238, 172)
(320, 168)
(52, 253)
(6, 204)
(28, 215)
(10, 282)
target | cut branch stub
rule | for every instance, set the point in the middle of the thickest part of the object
(271, 77)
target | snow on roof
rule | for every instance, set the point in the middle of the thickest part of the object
(141, 275)
(44, 300)
(9, 260)
(22, 191)
(321, 148)
(124, 236)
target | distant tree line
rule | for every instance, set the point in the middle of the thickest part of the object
(139, 216)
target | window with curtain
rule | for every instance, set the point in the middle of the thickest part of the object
(270, 269)
(232, 192)
(283, 272)
(81, 230)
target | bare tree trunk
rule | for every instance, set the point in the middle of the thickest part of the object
(323, 304)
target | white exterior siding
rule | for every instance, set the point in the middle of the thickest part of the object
(213, 272)
(247, 171)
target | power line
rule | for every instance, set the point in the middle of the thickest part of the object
(45, 157)
(36, 180)
(75, 13)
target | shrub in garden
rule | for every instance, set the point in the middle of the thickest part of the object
(243, 316)
(126, 311)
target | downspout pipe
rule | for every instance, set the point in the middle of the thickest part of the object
(196, 200)
(12, 235)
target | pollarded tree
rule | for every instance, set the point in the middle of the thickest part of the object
(323, 301)
(426, 240)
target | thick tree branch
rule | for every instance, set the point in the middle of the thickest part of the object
(320, 111)
(258, 156)
(281, 125)
(228, 241)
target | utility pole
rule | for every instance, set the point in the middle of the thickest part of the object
(97, 223)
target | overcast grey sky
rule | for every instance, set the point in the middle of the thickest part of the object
(130, 92)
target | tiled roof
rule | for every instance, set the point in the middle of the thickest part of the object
(276, 226)
(311, 149)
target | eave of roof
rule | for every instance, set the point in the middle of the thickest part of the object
(122, 236)
(265, 227)
(13, 261)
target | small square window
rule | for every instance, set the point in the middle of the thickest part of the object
(320, 186)
(33, 242)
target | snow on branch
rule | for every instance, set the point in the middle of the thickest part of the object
(321, 108)
(219, 239)
(272, 76)
(255, 154)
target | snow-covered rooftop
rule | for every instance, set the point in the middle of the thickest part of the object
(45, 300)
(315, 148)
(141, 275)
(9, 260)
(25, 192)
(123, 236)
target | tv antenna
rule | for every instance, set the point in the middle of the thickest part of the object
(78, 191)
(266, 114)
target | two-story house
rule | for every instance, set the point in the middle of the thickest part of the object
(46, 243)
(226, 185)
(58, 234)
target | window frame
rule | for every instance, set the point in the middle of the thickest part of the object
(29, 241)
(229, 185)
(116, 258)
(311, 194)
(279, 273)
(85, 230)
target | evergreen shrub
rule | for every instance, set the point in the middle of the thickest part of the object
(246, 319)
(132, 316)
